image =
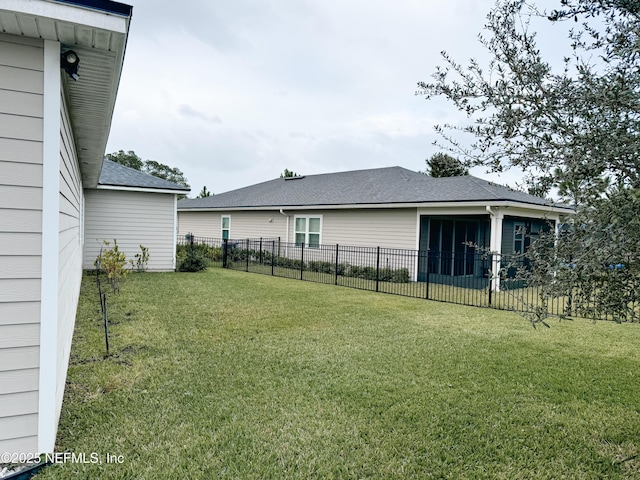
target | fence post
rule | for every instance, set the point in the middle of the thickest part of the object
(428, 273)
(302, 260)
(247, 254)
(225, 251)
(260, 251)
(337, 250)
(105, 320)
(377, 267)
(273, 248)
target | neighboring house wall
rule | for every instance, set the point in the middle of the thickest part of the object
(390, 228)
(132, 219)
(265, 224)
(200, 224)
(21, 173)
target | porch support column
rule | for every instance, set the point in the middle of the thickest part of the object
(495, 245)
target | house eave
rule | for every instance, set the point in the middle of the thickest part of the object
(499, 203)
(141, 189)
(99, 38)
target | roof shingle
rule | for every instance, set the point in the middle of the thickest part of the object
(114, 174)
(359, 187)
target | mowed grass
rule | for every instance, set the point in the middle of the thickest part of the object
(224, 374)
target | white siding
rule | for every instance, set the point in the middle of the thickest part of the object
(70, 249)
(265, 224)
(21, 118)
(133, 219)
(390, 228)
(200, 224)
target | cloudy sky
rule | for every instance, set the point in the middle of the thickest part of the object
(232, 92)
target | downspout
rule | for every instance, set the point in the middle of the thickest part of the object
(286, 235)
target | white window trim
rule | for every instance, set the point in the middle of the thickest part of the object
(222, 229)
(306, 233)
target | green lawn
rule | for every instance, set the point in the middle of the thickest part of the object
(224, 374)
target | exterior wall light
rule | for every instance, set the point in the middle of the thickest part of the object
(69, 61)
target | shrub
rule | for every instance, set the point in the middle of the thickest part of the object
(321, 267)
(285, 262)
(141, 259)
(366, 273)
(112, 262)
(212, 254)
(400, 275)
(193, 262)
(191, 258)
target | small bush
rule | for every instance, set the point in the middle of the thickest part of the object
(321, 267)
(112, 261)
(366, 273)
(327, 267)
(210, 254)
(193, 262)
(141, 260)
(191, 258)
(400, 275)
(285, 262)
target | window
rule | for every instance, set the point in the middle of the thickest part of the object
(307, 231)
(226, 226)
(518, 237)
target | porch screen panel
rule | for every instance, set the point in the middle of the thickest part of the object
(435, 226)
(459, 248)
(472, 237)
(446, 247)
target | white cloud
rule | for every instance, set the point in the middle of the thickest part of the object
(234, 92)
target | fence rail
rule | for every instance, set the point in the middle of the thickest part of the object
(463, 278)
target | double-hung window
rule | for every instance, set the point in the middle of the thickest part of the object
(307, 231)
(226, 226)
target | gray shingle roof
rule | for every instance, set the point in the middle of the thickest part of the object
(375, 186)
(114, 174)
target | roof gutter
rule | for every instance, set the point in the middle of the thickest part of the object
(107, 6)
(141, 189)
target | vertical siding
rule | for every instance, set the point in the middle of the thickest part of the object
(70, 248)
(21, 117)
(133, 219)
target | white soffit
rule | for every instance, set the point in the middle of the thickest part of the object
(99, 38)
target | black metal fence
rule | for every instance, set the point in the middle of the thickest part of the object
(465, 278)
